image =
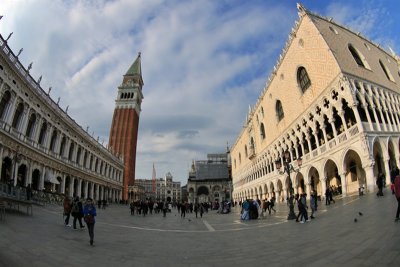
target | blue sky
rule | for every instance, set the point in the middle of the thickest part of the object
(204, 62)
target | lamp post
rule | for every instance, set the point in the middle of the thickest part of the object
(288, 168)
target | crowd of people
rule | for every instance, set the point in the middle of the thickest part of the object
(254, 209)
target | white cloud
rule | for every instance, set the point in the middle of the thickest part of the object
(203, 63)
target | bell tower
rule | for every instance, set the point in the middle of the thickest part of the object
(125, 122)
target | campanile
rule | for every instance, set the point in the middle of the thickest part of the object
(125, 122)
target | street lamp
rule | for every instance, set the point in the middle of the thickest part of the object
(288, 168)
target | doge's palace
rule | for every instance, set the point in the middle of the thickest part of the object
(333, 103)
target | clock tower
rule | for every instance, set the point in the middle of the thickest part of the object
(125, 122)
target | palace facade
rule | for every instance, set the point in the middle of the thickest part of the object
(42, 147)
(333, 101)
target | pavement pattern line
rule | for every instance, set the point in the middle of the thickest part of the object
(209, 227)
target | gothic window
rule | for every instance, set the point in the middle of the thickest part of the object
(386, 71)
(31, 124)
(42, 134)
(262, 131)
(356, 56)
(279, 110)
(5, 100)
(18, 115)
(245, 151)
(303, 80)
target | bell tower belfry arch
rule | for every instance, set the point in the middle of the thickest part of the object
(125, 122)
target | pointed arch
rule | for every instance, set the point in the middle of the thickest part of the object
(303, 80)
(358, 57)
(262, 131)
(279, 110)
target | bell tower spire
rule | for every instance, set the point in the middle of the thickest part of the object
(125, 123)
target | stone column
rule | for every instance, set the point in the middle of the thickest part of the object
(387, 171)
(308, 189)
(323, 187)
(277, 196)
(62, 185)
(41, 183)
(10, 109)
(369, 172)
(24, 121)
(79, 188)
(343, 180)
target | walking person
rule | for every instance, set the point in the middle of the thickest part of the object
(183, 210)
(379, 183)
(67, 210)
(196, 208)
(165, 208)
(271, 205)
(397, 195)
(313, 204)
(201, 210)
(89, 213)
(331, 195)
(303, 208)
(77, 212)
(132, 207)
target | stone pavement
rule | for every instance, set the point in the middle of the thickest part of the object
(332, 239)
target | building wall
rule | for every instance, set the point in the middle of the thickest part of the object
(56, 154)
(348, 139)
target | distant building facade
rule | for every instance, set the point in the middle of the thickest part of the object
(333, 101)
(210, 180)
(42, 147)
(164, 189)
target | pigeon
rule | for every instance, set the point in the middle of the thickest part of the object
(359, 213)
(355, 220)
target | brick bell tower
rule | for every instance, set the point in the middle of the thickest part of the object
(125, 122)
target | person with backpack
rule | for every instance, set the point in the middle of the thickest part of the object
(89, 214)
(77, 212)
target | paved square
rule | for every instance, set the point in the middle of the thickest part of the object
(332, 239)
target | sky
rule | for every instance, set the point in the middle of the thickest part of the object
(204, 63)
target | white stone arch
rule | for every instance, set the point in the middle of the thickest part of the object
(301, 183)
(272, 188)
(315, 179)
(265, 191)
(279, 189)
(392, 152)
(355, 171)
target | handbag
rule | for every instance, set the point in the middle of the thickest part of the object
(88, 218)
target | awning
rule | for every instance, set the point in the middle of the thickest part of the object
(51, 178)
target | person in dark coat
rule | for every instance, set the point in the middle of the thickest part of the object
(89, 213)
(77, 212)
(379, 183)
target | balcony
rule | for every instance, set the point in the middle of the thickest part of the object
(252, 152)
